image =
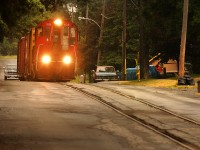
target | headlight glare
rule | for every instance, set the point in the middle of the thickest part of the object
(58, 22)
(46, 59)
(67, 59)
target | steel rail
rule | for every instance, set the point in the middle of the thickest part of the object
(109, 105)
(152, 105)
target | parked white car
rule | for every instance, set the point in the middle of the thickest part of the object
(104, 73)
(10, 71)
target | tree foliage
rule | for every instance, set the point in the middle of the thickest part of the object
(8, 47)
(16, 18)
(112, 38)
(19, 15)
(162, 21)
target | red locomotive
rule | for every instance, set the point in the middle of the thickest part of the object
(48, 51)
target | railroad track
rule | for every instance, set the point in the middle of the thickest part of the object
(144, 121)
(150, 104)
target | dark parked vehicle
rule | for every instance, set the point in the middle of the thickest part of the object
(132, 73)
(10, 71)
(104, 73)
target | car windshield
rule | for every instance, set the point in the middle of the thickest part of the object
(11, 67)
(105, 69)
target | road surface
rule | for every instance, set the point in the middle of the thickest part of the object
(52, 116)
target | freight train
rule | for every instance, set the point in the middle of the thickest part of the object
(48, 51)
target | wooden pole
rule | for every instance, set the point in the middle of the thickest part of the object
(183, 39)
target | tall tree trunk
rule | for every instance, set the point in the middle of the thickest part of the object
(183, 39)
(87, 13)
(101, 32)
(55, 5)
(124, 42)
(143, 48)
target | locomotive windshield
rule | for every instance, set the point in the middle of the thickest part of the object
(47, 32)
(56, 35)
(39, 31)
(62, 37)
(72, 38)
(68, 37)
(65, 38)
(73, 32)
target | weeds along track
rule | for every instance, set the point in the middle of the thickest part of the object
(175, 127)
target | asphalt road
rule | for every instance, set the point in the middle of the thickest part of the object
(51, 116)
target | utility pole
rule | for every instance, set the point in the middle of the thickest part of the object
(124, 42)
(183, 40)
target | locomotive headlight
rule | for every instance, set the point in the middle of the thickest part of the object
(67, 60)
(46, 59)
(58, 22)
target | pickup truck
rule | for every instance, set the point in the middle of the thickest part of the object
(104, 73)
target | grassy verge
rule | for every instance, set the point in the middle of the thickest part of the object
(8, 57)
(163, 83)
(152, 82)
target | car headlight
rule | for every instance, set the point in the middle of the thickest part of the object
(46, 59)
(67, 60)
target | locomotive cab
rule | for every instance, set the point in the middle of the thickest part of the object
(55, 50)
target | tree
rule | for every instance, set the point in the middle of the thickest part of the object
(193, 36)
(90, 33)
(16, 18)
(158, 31)
(8, 47)
(162, 23)
(3, 29)
(124, 41)
(101, 31)
(144, 49)
(12, 12)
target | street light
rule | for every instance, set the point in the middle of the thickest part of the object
(100, 36)
(83, 18)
